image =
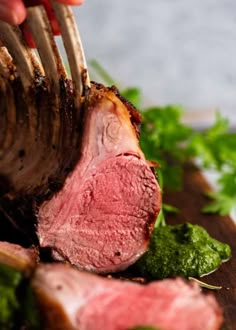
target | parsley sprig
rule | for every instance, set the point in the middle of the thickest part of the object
(216, 150)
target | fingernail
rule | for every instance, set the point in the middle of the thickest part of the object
(7, 15)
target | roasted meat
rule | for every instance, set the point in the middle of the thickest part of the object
(79, 176)
(110, 201)
(70, 161)
(70, 299)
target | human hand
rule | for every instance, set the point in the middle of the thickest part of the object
(14, 12)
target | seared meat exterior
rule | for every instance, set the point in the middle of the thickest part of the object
(102, 218)
(72, 300)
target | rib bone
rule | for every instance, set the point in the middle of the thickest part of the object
(6, 64)
(74, 49)
(39, 136)
(8, 115)
(25, 60)
(41, 31)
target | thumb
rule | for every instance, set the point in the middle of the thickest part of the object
(12, 12)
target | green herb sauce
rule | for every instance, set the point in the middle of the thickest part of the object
(9, 281)
(182, 250)
(17, 303)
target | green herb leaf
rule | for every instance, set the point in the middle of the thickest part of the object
(170, 208)
(160, 221)
(163, 139)
(222, 203)
(102, 73)
(133, 95)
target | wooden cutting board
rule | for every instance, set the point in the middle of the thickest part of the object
(190, 202)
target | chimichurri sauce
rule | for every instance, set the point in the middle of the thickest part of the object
(181, 250)
(9, 281)
(17, 304)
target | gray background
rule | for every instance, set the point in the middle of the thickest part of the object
(177, 51)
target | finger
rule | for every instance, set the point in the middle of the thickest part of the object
(66, 2)
(50, 13)
(51, 17)
(12, 12)
(28, 36)
(71, 2)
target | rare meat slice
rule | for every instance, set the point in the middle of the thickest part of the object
(102, 218)
(70, 299)
(20, 258)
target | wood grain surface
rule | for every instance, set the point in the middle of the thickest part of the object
(190, 202)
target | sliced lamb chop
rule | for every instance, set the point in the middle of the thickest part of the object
(69, 299)
(110, 201)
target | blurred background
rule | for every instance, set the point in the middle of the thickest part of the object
(176, 51)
